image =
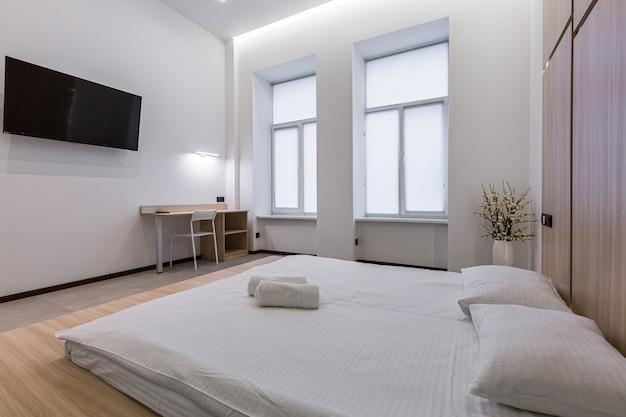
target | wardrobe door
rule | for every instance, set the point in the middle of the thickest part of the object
(580, 7)
(556, 170)
(599, 170)
(556, 15)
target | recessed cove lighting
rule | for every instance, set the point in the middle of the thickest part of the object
(291, 19)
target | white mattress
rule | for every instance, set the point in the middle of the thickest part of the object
(386, 341)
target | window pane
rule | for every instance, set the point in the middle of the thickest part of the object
(286, 167)
(294, 100)
(381, 147)
(408, 76)
(309, 160)
(424, 158)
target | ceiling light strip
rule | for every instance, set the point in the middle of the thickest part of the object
(291, 19)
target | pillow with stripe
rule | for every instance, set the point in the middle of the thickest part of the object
(493, 284)
(547, 361)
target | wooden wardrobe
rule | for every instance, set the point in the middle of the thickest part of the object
(584, 159)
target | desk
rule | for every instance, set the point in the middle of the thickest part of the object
(231, 230)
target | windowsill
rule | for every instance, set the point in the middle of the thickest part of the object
(285, 217)
(422, 220)
(415, 220)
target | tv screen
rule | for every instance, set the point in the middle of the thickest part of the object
(43, 103)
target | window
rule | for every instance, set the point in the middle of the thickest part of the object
(294, 139)
(406, 133)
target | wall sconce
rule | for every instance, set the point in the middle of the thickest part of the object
(205, 154)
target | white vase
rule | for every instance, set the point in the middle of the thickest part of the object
(502, 253)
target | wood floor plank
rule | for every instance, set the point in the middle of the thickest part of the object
(36, 379)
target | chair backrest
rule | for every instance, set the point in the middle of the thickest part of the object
(203, 215)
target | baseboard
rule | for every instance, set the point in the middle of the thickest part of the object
(271, 252)
(432, 268)
(274, 252)
(53, 288)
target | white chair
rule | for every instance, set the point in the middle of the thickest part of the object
(196, 217)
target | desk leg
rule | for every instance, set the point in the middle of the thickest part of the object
(159, 245)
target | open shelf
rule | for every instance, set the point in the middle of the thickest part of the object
(231, 235)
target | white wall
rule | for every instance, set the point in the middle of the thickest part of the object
(536, 121)
(70, 212)
(490, 132)
(489, 118)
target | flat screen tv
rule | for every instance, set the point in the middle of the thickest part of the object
(44, 103)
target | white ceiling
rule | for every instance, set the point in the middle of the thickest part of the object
(227, 19)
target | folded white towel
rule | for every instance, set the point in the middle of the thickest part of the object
(254, 281)
(283, 294)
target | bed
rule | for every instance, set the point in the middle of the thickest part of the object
(385, 341)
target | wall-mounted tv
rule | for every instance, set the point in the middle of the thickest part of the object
(44, 103)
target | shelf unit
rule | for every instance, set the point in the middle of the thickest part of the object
(231, 234)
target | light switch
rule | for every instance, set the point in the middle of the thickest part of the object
(546, 220)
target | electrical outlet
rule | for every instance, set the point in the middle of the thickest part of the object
(356, 242)
(257, 235)
(220, 199)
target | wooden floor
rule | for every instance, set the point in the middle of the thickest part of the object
(36, 379)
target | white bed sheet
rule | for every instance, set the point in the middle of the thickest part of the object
(386, 341)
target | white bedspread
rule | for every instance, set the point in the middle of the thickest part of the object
(386, 341)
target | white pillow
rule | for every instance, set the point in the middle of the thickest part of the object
(493, 284)
(547, 361)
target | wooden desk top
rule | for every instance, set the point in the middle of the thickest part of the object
(181, 209)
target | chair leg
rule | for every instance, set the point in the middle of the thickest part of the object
(215, 246)
(193, 246)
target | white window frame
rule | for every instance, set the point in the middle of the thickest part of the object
(403, 212)
(299, 124)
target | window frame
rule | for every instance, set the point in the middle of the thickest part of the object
(299, 124)
(401, 107)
